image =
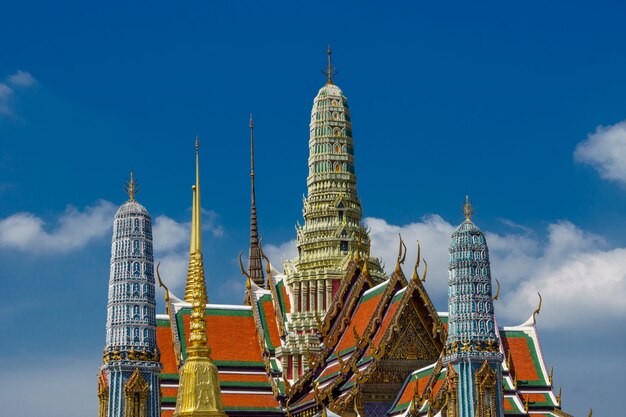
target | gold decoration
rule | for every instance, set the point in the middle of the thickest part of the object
(268, 266)
(415, 276)
(136, 395)
(103, 395)
(357, 253)
(590, 413)
(468, 209)
(495, 297)
(526, 405)
(198, 389)
(131, 187)
(486, 386)
(538, 309)
(401, 255)
(558, 397)
(551, 374)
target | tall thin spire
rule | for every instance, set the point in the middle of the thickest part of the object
(330, 70)
(198, 391)
(255, 268)
(195, 245)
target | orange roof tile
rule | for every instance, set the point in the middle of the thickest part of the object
(164, 342)
(359, 321)
(231, 335)
(523, 365)
(169, 391)
(391, 310)
(242, 377)
(249, 400)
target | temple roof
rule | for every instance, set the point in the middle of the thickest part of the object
(526, 382)
(232, 334)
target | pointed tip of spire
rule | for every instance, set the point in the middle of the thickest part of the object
(251, 121)
(131, 187)
(331, 71)
(468, 209)
(197, 144)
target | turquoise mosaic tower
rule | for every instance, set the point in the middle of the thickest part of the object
(128, 384)
(472, 347)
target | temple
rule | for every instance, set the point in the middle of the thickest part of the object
(330, 333)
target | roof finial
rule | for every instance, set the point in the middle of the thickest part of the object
(197, 144)
(330, 70)
(131, 187)
(468, 209)
(255, 266)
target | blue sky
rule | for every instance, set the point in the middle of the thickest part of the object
(521, 106)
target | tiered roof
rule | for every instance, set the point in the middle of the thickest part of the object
(359, 333)
(527, 384)
(232, 334)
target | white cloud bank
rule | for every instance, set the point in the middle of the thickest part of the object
(20, 79)
(171, 245)
(73, 229)
(605, 150)
(580, 280)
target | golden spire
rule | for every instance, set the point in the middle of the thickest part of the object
(468, 209)
(330, 70)
(199, 390)
(131, 187)
(195, 244)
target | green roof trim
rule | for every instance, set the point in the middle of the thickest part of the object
(327, 377)
(168, 399)
(266, 331)
(239, 364)
(374, 292)
(169, 376)
(281, 302)
(163, 323)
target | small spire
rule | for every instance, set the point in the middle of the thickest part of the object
(131, 187)
(468, 209)
(255, 266)
(331, 71)
(195, 243)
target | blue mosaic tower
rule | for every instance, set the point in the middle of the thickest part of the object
(128, 383)
(472, 348)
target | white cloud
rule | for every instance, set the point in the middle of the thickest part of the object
(171, 245)
(20, 79)
(605, 150)
(578, 277)
(278, 254)
(73, 230)
(169, 234)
